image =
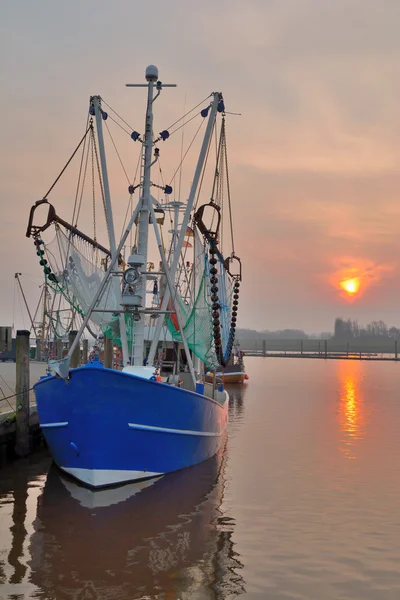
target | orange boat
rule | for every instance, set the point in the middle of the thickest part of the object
(234, 372)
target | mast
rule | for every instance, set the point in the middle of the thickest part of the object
(109, 216)
(143, 225)
(189, 206)
(145, 202)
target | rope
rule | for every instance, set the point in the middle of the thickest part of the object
(5, 382)
(188, 113)
(190, 145)
(204, 170)
(115, 148)
(72, 156)
(180, 173)
(217, 166)
(14, 396)
(119, 125)
(183, 125)
(130, 199)
(161, 173)
(115, 112)
(228, 187)
(80, 172)
(83, 186)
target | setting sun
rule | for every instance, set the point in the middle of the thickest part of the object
(351, 286)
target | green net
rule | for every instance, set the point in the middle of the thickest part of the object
(198, 326)
(113, 332)
(197, 313)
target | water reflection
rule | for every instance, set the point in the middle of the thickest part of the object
(160, 538)
(18, 531)
(237, 394)
(351, 408)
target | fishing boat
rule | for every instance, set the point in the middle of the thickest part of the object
(107, 426)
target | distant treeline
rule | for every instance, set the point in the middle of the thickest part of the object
(344, 329)
(349, 329)
(281, 334)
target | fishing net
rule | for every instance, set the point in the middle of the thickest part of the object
(197, 310)
(79, 270)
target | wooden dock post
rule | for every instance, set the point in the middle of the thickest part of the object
(108, 353)
(264, 346)
(395, 350)
(38, 349)
(76, 356)
(22, 393)
(85, 351)
(326, 348)
(59, 349)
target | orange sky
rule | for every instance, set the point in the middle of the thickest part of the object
(314, 158)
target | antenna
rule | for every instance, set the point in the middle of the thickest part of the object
(152, 75)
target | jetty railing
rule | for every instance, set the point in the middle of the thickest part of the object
(319, 348)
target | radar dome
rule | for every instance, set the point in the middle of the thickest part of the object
(151, 73)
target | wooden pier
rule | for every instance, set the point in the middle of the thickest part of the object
(19, 423)
(386, 350)
(20, 431)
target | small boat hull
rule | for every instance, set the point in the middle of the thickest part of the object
(106, 427)
(236, 377)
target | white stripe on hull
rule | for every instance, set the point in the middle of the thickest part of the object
(177, 431)
(103, 477)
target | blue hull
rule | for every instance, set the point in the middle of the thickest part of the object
(106, 427)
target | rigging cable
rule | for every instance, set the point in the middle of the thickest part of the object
(183, 125)
(228, 187)
(115, 112)
(116, 150)
(188, 113)
(188, 148)
(80, 171)
(83, 186)
(180, 173)
(70, 159)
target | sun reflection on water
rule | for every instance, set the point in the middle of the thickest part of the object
(351, 408)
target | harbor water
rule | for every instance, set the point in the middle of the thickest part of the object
(302, 504)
